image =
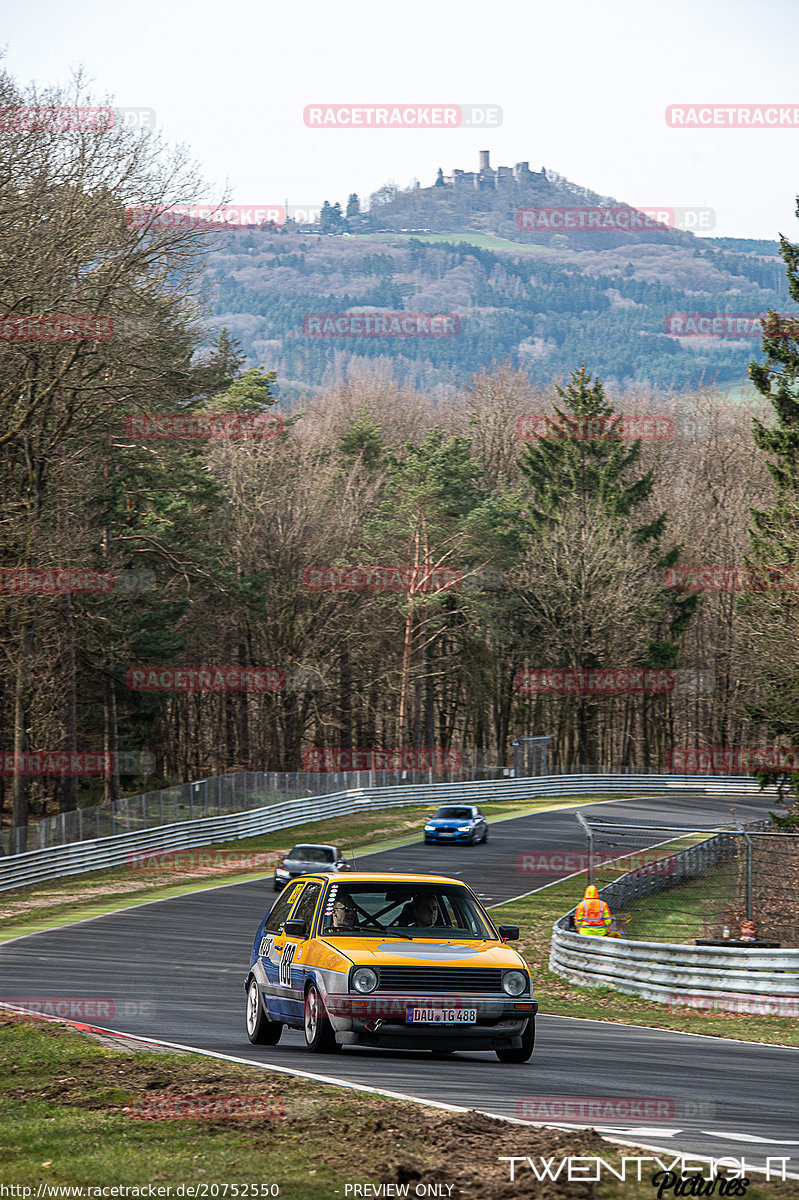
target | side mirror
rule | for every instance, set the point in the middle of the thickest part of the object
(509, 932)
(294, 928)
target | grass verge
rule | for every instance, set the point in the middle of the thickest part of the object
(68, 1108)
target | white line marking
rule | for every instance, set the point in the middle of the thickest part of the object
(746, 1137)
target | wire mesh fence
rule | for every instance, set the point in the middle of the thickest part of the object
(212, 797)
(703, 886)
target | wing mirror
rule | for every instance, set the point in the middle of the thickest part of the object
(294, 928)
(509, 932)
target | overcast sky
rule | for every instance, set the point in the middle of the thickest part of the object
(583, 87)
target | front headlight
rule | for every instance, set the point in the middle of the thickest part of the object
(464, 828)
(364, 979)
(514, 983)
(429, 828)
(281, 871)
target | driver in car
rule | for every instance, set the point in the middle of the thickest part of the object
(344, 916)
(422, 910)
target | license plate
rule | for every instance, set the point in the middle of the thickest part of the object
(442, 1016)
(446, 833)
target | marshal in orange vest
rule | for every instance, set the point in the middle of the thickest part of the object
(592, 915)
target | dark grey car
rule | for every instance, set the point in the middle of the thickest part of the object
(308, 859)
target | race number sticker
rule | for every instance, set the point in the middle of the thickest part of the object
(266, 945)
(285, 963)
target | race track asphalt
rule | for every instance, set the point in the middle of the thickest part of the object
(173, 970)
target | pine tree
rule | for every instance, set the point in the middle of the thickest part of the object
(773, 605)
(579, 509)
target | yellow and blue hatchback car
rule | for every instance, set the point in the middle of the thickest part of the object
(389, 960)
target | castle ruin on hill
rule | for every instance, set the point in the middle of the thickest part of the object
(489, 179)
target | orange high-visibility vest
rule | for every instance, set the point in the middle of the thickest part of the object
(592, 916)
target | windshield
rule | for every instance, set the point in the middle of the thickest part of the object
(320, 854)
(404, 910)
(461, 814)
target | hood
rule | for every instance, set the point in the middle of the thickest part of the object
(591, 893)
(387, 951)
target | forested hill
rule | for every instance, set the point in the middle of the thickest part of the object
(543, 308)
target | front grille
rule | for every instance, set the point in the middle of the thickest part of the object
(440, 979)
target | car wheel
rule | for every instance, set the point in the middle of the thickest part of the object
(485, 836)
(319, 1036)
(524, 1051)
(260, 1030)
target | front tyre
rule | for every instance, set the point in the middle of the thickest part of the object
(319, 1036)
(260, 1030)
(525, 1051)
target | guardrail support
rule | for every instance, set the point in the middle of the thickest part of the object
(589, 833)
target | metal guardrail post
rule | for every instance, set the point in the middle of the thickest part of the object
(590, 835)
(749, 848)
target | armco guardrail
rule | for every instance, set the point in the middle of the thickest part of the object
(671, 972)
(35, 866)
(23, 870)
(211, 797)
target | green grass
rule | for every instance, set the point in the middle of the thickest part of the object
(66, 1118)
(680, 914)
(537, 913)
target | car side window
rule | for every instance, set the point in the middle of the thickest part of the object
(307, 904)
(282, 907)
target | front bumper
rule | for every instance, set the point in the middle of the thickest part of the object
(381, 1020)
(440, 835)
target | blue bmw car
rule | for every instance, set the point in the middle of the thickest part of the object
(456, 823)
